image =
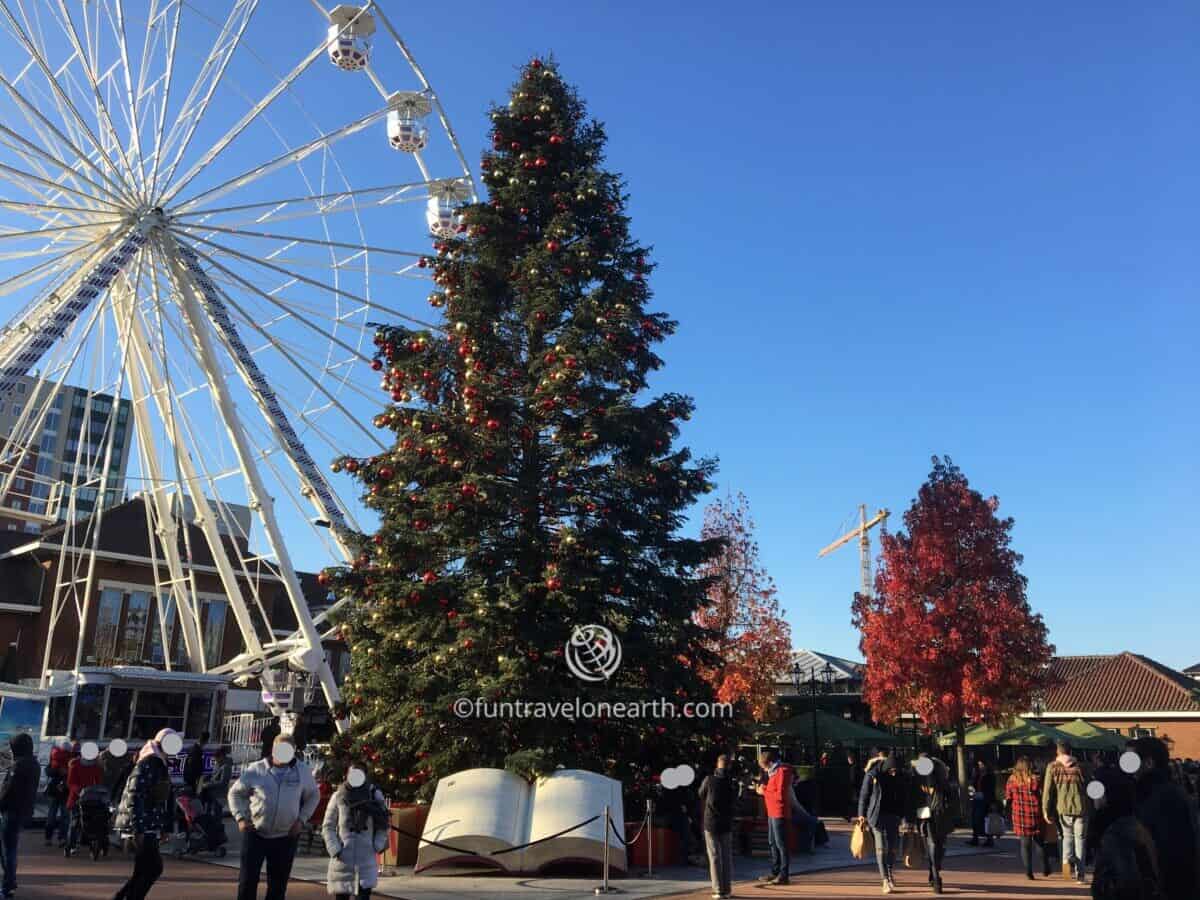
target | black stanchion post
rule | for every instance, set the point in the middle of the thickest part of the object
(605, 888)
(650, 837)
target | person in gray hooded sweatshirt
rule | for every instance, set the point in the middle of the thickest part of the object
(271, 801)
(355, 829)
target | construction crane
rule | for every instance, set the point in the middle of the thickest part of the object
(864, 542)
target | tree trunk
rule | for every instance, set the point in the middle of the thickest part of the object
(960, 757)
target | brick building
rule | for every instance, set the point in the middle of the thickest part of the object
(1130, 694)
(122, 623)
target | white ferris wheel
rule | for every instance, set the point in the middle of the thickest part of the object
(202, 216)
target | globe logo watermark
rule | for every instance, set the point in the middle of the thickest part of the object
(593, 653)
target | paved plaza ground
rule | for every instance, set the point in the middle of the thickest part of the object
(44, 873)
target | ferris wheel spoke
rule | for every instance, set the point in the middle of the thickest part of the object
(63, 101)
(201, 93)
(103, 116)
(168, 80)
(32, 113)
(437, 104)
(290, 158)
(304, 366)
(325, 204)
(67, 169)
(24, 179)
(242, 124)
(69, 259)
(288, 309)
(338, 292)
(119, 31)
(297, 239)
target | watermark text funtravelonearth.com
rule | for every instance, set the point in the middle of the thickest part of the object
(580, 708)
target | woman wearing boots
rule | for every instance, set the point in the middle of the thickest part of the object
(1023, 796)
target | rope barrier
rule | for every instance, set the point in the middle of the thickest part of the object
(632, 840)
(426, 840)
(548, 837)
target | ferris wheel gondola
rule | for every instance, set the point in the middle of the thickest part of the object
(185, 236)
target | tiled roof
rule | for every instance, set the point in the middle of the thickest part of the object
(1192, 670)
(1125, 682)
(843, 669)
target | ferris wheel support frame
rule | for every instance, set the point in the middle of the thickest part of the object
(260, 500)
(143, 388)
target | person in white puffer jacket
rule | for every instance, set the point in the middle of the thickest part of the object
(355, 830)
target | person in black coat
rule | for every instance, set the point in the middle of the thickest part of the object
(1164, 810)
(982, 801)
(16, 803)
(193, 766)
(717, 793)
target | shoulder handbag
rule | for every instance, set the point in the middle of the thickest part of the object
(862, 841)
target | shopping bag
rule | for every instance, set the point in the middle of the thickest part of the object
(913, 847)
(862, 841)
(1049, 833)
(994, 825)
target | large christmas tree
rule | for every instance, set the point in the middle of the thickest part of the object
(531, 489)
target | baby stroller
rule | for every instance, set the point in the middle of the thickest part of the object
(197, 831)
(92, 819)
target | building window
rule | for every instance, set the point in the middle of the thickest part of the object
(120, 713)
(121, 625)
(17, 407)
(89, 705)
(214, 630)
(199, 707)
(58, 403)
(20, 388)
(2, 405)
(46, 445)
(1139, 732)
(157, 710)
(58, 717)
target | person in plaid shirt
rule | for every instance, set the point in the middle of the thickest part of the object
(1023, 797)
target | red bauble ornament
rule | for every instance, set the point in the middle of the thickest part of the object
(541, 162)
(556, 139)
(429, 577)
(451, 614)
(323, 578)
(351, 465)
(554, 583)
(384, 473)
(535, 63)
(552, 246)
(377, 364)
(493, 424)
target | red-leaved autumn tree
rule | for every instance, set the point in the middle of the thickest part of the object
(949, 634)
(748, 632)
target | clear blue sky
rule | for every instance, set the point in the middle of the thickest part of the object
(891, 230)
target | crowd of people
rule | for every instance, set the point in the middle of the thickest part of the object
(271, 802)
(1132, 828)
(1133, 835)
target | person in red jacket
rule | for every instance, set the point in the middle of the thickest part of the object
(82, 772)
(56, 792)
(777, 795)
